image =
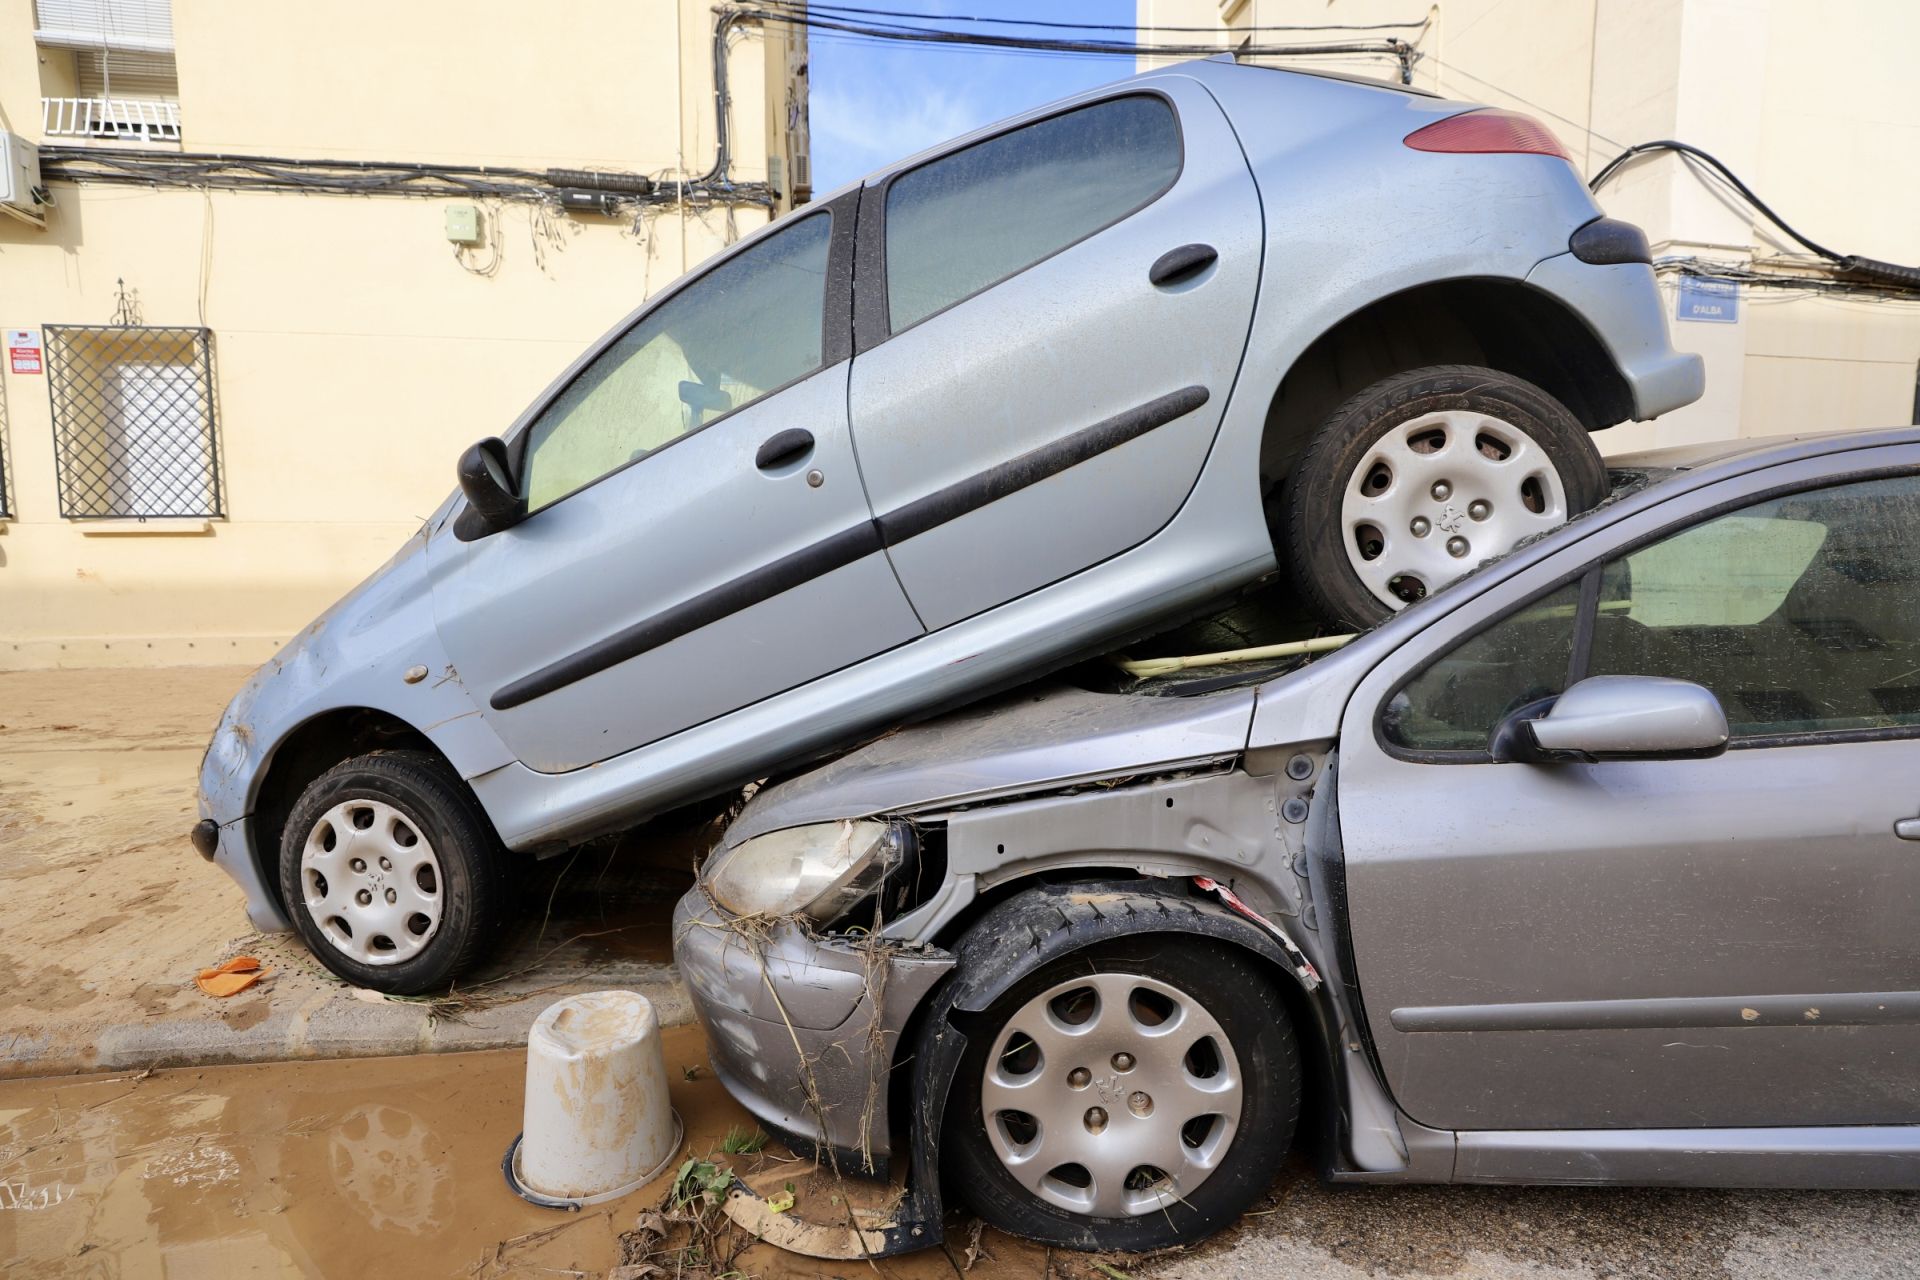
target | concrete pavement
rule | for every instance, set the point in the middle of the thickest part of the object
(1309, 1231)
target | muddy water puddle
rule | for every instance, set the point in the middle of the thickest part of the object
(363, 1169)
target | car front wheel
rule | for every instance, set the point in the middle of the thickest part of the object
(1133, 1095)
(1423, 475)
(391, 872)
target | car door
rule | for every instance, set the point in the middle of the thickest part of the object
(1677, 943)
(698, 537)
(1049, 322)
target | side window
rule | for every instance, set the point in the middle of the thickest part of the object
(1801, 614)
(750, 326)
(1456, 703)
(969, 220)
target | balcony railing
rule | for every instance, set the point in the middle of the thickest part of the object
(121, 119)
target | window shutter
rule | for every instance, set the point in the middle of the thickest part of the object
(134, 26)
(127, 75)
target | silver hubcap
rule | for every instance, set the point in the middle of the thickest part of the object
(1440, 493)
(1111, 1095)
(371, 882)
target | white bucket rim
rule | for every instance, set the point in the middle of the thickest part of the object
(510, 1166)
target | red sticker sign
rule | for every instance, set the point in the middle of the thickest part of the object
(23, 351)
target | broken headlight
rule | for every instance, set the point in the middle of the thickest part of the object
(818, 871)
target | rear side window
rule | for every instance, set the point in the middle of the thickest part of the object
(966, 221)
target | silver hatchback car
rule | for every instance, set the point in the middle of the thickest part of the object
(993, 409)
(1595, 868)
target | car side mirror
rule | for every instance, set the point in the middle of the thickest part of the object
(487, 482)
(1617, 718)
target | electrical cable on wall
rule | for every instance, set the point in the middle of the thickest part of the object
(1402, 51)
(591, 191)
(811, 7)
(1785, 282)
(1871, 269)
(608, 192)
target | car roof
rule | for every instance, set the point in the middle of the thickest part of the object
(1201, 69)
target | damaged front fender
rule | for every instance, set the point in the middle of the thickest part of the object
(1020, 936)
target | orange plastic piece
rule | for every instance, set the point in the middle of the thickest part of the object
(231, 978)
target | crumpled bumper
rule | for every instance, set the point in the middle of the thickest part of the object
(788, 1015)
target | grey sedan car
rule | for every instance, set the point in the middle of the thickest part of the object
(992, 409)
(1597, 867)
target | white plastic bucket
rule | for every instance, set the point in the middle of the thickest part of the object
(598, 1122)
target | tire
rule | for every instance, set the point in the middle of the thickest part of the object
(392, 813)
(1236, 1001)
(1368, 481)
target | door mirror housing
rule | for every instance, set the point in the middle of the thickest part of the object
(1617, 718)
(487, 482)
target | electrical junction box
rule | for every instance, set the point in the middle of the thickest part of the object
(20, 179)
(463, 223)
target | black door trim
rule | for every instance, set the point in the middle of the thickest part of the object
(743, 592)
(1035, 465)
(849, 545)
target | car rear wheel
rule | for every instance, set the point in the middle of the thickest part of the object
(391, 872)
(1420, 477)
(1133, 1095)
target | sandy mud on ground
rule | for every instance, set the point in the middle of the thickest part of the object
(355, 1168)
(105, 901)
(108, 913)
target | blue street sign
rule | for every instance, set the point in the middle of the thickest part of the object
(1707, 299)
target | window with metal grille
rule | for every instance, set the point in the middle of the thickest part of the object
(133, 421)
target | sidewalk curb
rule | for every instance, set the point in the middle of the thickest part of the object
(336, 1024)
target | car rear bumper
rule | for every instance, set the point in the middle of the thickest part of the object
(788, 1015)
(1622, 303)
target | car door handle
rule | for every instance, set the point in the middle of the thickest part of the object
(783, 447)
(1176, 265)
(1907, 828)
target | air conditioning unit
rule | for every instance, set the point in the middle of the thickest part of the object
(20, 179)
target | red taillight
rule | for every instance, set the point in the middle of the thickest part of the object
(1489, 131)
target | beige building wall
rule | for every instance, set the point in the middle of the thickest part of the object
(1811, 104)
(356, 350)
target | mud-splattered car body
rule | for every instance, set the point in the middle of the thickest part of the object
(1653, 962)
(576, 682)
(370, 672)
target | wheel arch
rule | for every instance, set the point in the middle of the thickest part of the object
(307, 751)
(1501, 323)
(1039, 922)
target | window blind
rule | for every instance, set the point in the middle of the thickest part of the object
(136, 26)
(126, 75)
